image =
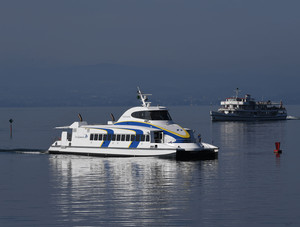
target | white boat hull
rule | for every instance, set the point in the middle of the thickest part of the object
(112, 152)
(217, 116)
(206, 152)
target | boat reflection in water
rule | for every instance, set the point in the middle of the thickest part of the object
(249, 136)
(128, 191)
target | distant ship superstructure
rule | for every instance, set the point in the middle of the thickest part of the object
(247, 109)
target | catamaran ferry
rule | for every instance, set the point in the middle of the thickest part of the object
(141, 131)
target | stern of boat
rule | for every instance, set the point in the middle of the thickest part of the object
(204, 151)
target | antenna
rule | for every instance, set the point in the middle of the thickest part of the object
(237, 92)
(143, 98)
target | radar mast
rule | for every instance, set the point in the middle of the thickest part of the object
(237, 92)
(143, 98)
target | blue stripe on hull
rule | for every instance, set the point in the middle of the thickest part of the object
(134, 144)
(106, 142)
(177, 138)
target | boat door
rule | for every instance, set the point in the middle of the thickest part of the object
(158, 137)
(64, 139)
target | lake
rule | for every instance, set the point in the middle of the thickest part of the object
(247, 185)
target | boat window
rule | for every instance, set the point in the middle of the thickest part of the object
(152, 115)
(138, 137)
(132, 137)
(118, 137)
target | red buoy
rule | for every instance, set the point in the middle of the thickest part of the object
(277, 146)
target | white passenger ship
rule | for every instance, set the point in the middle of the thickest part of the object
(247, 109)
(141, 131)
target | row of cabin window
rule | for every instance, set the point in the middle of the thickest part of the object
(120, 137)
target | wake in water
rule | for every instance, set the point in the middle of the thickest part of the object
(24, 150)
(292, 118)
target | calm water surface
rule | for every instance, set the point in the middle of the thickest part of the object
(247, 185)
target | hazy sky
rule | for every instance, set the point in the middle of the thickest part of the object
(198, 50)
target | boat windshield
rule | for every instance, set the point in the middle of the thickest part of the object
(159, 115)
